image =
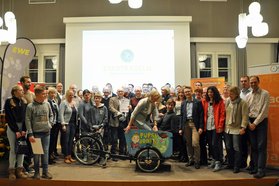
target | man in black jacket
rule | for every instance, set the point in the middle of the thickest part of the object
(191, 126)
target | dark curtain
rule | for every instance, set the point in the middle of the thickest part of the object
(193, 53)
(61, 77)
(241, 59)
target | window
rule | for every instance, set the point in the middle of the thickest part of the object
(50, 66)
(215, 65)
(205, 66)
(44, 69)
(224, 67)
(33, 70)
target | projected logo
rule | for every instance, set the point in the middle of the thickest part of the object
(127, 56)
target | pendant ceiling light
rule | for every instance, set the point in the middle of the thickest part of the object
(260, 29)
(254, 8)
(8, 34)
(115, 1)
(135, 4)
(254, 20)
(242, 38)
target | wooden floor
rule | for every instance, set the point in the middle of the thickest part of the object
(123, 173)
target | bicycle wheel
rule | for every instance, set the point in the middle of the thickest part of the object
(87, 150)
(148, 159)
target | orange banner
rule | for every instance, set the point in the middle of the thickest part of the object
(218, 82)
(269, 83)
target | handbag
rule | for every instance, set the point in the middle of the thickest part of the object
(21, 146)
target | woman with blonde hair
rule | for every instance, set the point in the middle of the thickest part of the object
(52, 93)
(236, 123)
(145, 109)
(15, 108)
(68, 114)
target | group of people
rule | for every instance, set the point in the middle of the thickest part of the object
(200, 120)
(237, 117)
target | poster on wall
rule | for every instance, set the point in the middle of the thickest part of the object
(218, 82)
(16, 58)
(267, 82)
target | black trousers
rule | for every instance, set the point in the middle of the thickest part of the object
(258, 140)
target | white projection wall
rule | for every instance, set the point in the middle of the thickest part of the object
(129, 49)
(127, 56)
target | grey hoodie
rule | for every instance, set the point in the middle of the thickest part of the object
(38, 118)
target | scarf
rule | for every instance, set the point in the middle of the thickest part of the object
(233, 107)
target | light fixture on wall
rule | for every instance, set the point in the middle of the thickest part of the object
(8, 29)
(254, 20)
(135, 4)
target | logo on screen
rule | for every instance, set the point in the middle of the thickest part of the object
(127, 56)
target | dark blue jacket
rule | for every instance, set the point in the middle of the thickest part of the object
(197, 114)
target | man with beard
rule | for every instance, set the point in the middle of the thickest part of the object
(28, 97)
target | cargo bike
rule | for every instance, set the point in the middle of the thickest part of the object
(149, 149)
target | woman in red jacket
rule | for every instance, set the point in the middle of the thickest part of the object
(214, 119)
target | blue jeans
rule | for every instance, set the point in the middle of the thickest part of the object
(45, 137)
(233, 147)
(13, 157)
(258, 140)
(117, 133)
(215, 143)
(69, 139)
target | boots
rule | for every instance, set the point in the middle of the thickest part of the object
(20, 173)
(217, 166)
(12, 175)
(67, 160)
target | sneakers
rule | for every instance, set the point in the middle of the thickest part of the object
(197, 165)
(212, 164)
(37, 176)
(253, 171)
(217, 166)
(190, 163)
(47, 176)
(103, 162)
(236, 170)
(228, 167)
(51, 161)
(85, 159)
(30, 170)
(259, 174)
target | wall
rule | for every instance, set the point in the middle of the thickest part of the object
(210, 19)
(220, 48)
(260, 54)
(75, 26)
